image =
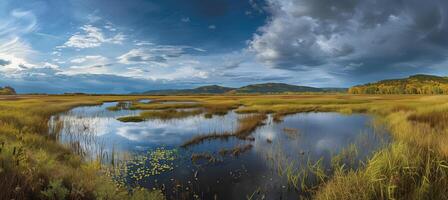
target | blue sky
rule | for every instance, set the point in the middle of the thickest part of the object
(114, 46)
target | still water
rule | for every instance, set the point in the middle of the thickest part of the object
(299, 140)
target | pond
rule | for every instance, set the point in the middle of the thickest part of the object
(256, 169)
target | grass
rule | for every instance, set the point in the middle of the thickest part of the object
(246, 125)
(33, 165)
(196, 157)
(201, 138)
(236, 151)
(414, 166)
(163, 115)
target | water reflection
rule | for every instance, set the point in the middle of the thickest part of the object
(298, 139)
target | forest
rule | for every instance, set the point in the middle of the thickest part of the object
(417, 84)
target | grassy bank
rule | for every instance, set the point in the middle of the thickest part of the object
(35, 166)
(414, 166)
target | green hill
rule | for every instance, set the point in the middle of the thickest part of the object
(213, 89)
(210, 89)
(7, 91)
(417, 84)
(264, 88)
(275, 88)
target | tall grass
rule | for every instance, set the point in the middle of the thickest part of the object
(246, 125)
(33, 165)
(163, 115)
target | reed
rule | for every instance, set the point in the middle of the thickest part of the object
(248, 124)
(163, 115)
(205, 137)
(236, 151)
(414, 166)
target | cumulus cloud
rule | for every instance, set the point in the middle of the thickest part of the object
(358, 36)
(91, 36)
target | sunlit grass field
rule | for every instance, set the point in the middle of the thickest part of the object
(34, 165)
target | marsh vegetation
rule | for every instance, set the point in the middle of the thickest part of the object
(280, 146)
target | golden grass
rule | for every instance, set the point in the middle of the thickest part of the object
(236, 151)
(205, 137)
(164, 115)
(35, 166)
(247, 124)
(414, 166)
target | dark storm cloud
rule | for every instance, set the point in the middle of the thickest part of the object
(383, 35)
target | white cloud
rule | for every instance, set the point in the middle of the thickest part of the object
(92, 59)
(92, 36)
(14, 51)
(142, 43)
(20, 22)
(91, 64)
(156, 54)
(185, 19)
(182, 73)
(111, 27)
(212, 27)
(140, 55)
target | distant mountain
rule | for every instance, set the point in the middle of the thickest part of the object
(210, 89)
(7, 91)
(416, 84)
(275, 88)
(265, 88)
(213, 89)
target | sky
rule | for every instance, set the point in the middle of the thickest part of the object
(116, 46)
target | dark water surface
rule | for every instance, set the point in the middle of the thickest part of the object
(299, 140)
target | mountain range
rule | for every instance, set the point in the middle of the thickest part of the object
(264, 88)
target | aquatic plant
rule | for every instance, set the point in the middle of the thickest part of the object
(128, 173)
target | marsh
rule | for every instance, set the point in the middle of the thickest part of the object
(299, 138)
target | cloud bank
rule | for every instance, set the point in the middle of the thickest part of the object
(353, 37)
